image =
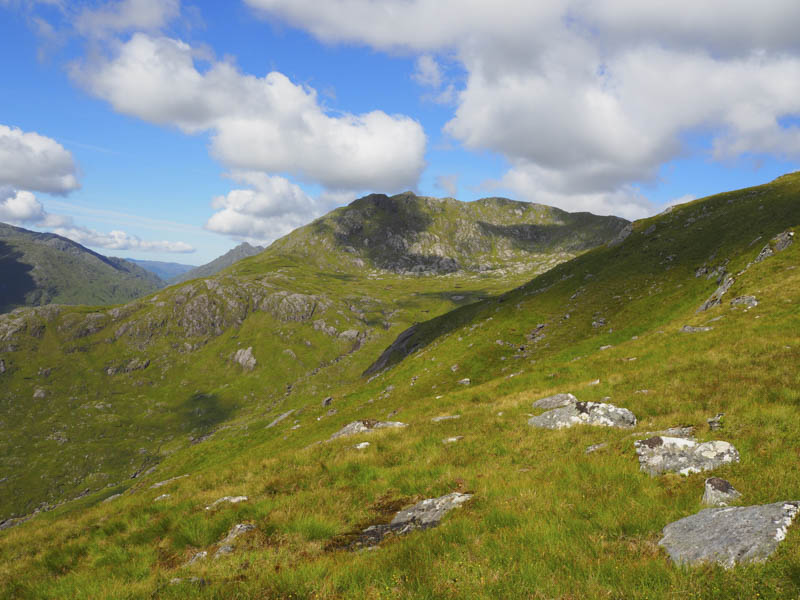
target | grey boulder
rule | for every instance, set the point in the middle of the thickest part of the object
(585, 413)
(423, 515)
(555, 401)
(662, 454)
(746, 301)
(365, 425)
(729, 536)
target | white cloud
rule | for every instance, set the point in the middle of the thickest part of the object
(30, 161)
(126, 15)
(119, 240)
(269, 209)
(427, 72)
(264, 124)
(22, 208)
(585, 99)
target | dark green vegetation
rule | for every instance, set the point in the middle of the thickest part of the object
(164, 270)
(546, 519)
(243, 250)
(43, 268)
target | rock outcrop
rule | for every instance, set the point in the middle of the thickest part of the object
(585, 413)
(777, 244)
(244, 357)
(423, 515)
(662, 454)
(729, 536)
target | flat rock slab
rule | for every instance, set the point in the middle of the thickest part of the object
(365, 425)
(691, 329)
(555, 401)
(662, 454)
(729, 536)
(445, 418)
(585, 413)
(229, 499)
(236, 531)
(423, 515)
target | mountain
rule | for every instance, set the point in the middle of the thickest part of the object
(243, 250)
(407, 233)
(210, 410)
(164, 270)
(43, 268)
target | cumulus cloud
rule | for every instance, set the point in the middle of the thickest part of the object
(585, 99)
(266, 124)
(22, 208)
(271, 207)
(119, 240)
(427, 71)
(126, 15)
(30, 161)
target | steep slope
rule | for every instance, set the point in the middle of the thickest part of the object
(415, 234)
(243, 250)
(546, 519)
(164, 270)
(43, 268)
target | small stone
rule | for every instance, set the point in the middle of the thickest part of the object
(39, 393)
(2, 366)
(595, 447)
(327, 401)
(729, 536)
(715, 422)
(594, 382)
(452, 440)
(223, 550)
(746, 301)
(555, 401)
(198, 557)
(161, 497)
(606, 347)
(465, 381)
(112, 497)
(690, 329)
(444, 418)
(361, 446)
(454, 368)
(236, 531)
(719, 492)
(245, 358)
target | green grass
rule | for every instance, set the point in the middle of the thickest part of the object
(546, 520)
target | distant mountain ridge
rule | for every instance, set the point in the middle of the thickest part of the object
(43, 268)
(407, 233)
(243, 250)
(164, 270)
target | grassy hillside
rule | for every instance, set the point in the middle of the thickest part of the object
(44, 268)
(546, 520)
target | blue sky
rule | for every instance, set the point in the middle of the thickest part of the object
(172, 130)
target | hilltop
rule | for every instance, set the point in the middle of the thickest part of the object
(243, 250)
(45, 268)
(223, 395)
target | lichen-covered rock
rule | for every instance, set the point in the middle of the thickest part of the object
(236, 531)
(365, 425)
(280, 418)
(288, 306)
(555, 401)
(444, 418)
(585, 413)
(39, 393)
(729, 536)
(423, 515)
(244, 356)
(719, 492)
(661, 454)
(691, 329)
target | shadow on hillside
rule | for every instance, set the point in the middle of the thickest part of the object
(572, 235)
(203, 411)
(376, 228)
(16, 281)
